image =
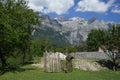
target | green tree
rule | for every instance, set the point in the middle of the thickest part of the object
(40, 45)
(109, 41)
(112, 45)
(95, 39)
(16, 25)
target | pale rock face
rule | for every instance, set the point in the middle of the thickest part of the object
(74, 30)
(58, 54)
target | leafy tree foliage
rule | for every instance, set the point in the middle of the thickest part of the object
(112, 45)
(95, 39)
(40, 45)
(16, 25)
(109, 41)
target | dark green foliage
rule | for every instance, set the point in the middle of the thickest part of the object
(40, 45)
(16, 25)
(112, 45)
(109, 41)
(70, 49)
(56, 38)
(95, 39)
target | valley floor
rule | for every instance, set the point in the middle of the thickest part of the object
(33, 73)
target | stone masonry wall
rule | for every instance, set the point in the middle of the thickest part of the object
(96, 55)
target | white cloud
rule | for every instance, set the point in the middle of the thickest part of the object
(116, 9)
(94, 5)
(48, 6)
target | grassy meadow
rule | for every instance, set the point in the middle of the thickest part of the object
(29, 72)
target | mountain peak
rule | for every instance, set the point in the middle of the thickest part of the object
(62, 18)
(92, 20)
(73, 30)
(77, 19)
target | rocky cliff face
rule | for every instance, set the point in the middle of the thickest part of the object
(82, 26)
(72, 30)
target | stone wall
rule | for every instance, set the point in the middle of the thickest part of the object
(84, 55)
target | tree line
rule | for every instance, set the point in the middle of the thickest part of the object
(109, 41)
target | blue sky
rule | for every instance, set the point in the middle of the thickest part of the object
(107, 10)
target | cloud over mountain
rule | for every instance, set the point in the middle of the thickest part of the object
(54, 6)
(94, 5)
(116, 9)
(106, 10)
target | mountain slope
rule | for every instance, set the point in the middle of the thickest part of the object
(68, 30)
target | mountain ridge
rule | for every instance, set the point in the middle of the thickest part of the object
(73, 30)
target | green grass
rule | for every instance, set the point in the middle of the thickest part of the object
(34, 73)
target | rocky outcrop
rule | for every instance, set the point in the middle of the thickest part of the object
(87, 65)
(73, 30)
